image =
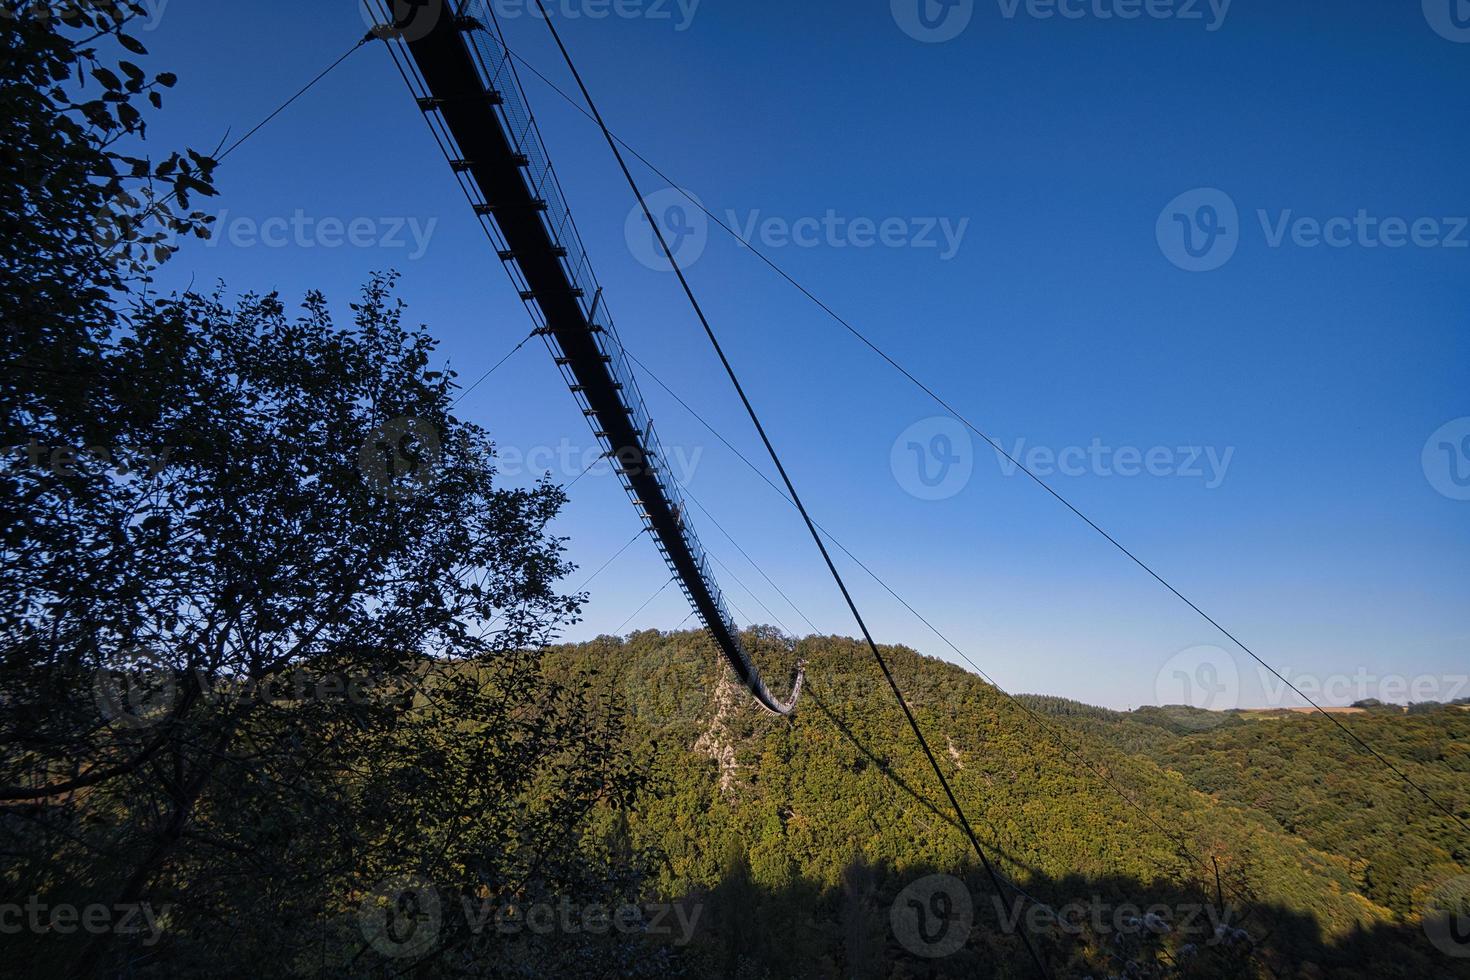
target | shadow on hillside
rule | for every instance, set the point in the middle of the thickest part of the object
(924, 922)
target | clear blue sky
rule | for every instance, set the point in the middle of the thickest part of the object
(1062, 319)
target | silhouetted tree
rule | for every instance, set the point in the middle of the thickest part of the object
(268, 626)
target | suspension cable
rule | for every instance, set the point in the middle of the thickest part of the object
(985, 861)
(939, 400)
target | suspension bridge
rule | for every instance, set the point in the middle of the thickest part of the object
(473, 100)
(463, 77)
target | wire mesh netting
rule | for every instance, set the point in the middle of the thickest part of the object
(498, 74)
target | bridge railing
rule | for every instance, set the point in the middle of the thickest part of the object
(499, 76)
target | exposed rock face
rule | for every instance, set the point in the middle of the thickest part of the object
(716, 740)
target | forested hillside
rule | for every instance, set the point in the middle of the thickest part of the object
(802, 834)
(1302, 772)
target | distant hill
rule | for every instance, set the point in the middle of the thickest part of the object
(1297, 768)
(801, 834)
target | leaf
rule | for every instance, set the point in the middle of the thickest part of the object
(107, 78)
(198, 186)
(167, 79)
(131, 43)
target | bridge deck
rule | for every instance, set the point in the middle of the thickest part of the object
(475, 102)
